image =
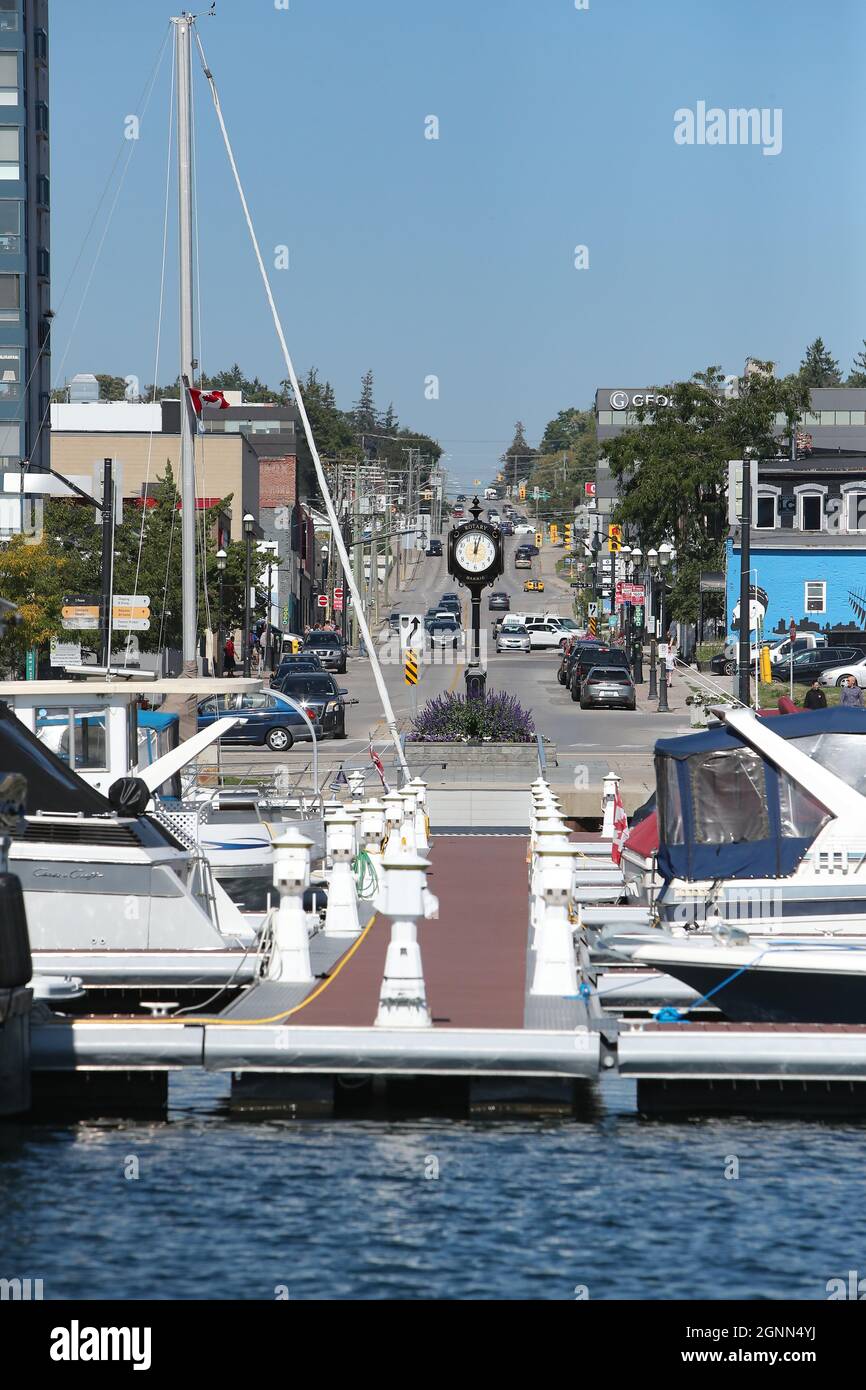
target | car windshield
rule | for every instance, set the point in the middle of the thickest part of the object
(322, 639)
(443, 625)
(514, 631)
(306, 686)
(610, 675)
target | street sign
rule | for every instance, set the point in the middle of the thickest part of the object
(338, 599)
(592, 610)
(323, 600)
(131, 600)
(131, 624)
(410, 668)
(30, 669)
(122, 611)
(65, 653)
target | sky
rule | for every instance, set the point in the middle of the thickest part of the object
(454, 258)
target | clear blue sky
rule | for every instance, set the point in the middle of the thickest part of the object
(455, 257)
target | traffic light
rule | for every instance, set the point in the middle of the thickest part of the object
(569, 535)
(538, 539)
(614, 539)
(521, 492)
(554, 533)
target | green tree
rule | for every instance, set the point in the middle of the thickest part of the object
(111, 388)
(519, 457)
(364, 409)
(818, 367)
(672, 466)
(33, 577)
(857, 374)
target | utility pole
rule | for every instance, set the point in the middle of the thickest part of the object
(182, 37)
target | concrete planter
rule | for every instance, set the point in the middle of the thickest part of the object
(478, 757)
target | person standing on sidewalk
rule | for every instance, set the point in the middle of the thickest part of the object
(670, 661)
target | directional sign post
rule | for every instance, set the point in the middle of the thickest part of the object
(410, 667)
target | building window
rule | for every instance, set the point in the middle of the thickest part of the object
(855, 511)
(42, 117)
(816, 596)
(8, 79)
(10, 298)
(9, 16)
(605, 417)
(43, 262)
(10, 373)
(43, 191)
(10, 226)
(765, 512)
(811, 511)
(10, 161)
(40, 45)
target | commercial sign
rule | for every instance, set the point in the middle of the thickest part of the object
(630, 400)
(628, 593)
(589, 489)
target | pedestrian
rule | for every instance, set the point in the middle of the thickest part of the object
(229, 659)
(815, 697)
(670, 659)
(851, 694)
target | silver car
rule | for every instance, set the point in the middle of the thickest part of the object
(513, 639)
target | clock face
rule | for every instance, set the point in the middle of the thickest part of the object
(475, 552)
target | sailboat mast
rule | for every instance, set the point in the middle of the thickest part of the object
(183, 54)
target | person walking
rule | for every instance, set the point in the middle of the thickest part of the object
(815, 697)
(670, 662)
(851, 694)
(229, 658)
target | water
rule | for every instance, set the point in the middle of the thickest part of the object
(624, 1207)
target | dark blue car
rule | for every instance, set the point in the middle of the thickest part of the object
(269, 719)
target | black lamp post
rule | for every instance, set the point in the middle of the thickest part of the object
(636, 632)
(249, 523)
(652, 560)
(667, 555)
(221, 569)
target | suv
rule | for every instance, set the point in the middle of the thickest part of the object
(571, 652)
(588, 659)
(499, 602)
(434, 547)
(328, 647)
(608, 685)
(324, 701)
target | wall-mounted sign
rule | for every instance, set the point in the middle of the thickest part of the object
(630, 400)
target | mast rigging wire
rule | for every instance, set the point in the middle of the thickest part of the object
(311, 443)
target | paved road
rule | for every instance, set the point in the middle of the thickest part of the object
(590, 739)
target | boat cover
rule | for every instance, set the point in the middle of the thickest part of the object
(726, 812)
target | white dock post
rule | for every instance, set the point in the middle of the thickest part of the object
(341, 914)
(403, 996)
(422, 823)
(393, 802)
(371, 834)
(608, 796)
(553, 832)
(407, 825)
(290, 959)
(555, 959)
(356, 784)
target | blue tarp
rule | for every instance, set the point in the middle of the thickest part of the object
(154, 719)
(681, 763)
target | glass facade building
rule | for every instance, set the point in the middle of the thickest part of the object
(25, 249)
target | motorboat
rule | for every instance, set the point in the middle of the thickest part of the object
(112, 896)
(775, 981)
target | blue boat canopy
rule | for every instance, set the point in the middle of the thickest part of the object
(727, 812)
(155, 719)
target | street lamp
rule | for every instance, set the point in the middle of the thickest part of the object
(652, 559)
(637, 634)
(221, 569)
(249, 523)
(667, 555)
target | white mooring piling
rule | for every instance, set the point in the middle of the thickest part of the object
(405, 899)
(290, 958)
(555, 960)
(341, 914)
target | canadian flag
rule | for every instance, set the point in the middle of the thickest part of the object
(620, 828)
(200, 398)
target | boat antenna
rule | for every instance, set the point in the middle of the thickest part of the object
(311, 443)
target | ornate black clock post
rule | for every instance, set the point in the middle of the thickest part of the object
(475, 561)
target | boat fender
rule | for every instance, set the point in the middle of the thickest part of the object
(16, 965)
(129, 796)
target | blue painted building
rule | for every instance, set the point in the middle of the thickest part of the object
(808, 545)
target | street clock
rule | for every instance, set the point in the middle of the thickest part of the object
(475, 552)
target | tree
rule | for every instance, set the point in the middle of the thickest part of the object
(818, 368)
(566, 430)
(364, 409)
(33, 577)
(519, 457)
(857, 374)
(672, 466)
(111, 388)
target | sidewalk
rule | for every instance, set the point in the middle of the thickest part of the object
(678, 690)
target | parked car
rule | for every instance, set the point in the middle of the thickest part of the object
(321, 697)
(810, 665)
(394, 621)
(434, 547)
(301, 661)
(328, 647)
(450, 603)
(523, 528)
(533, 586)
(571, 651)
(499, 602)
(268, 719)
(587, 659)
(607, 685)
(506, 527)
(835, 675)
(543, 635)
(445, 632)
(513, 639)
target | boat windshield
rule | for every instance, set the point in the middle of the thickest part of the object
(843, 754)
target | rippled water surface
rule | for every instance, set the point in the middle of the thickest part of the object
(624, 1207)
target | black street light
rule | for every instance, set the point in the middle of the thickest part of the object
(665, 557)
(220, 656)
(249, 523)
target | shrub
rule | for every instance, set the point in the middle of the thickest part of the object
(498, 717)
